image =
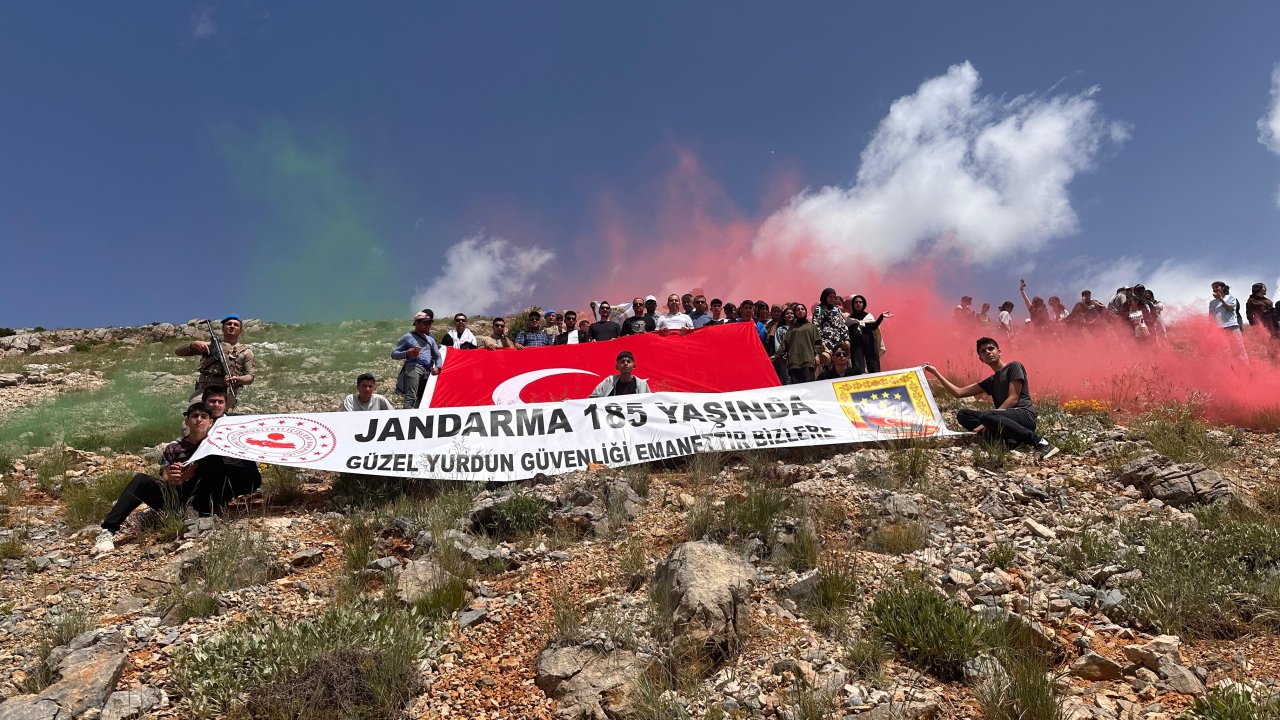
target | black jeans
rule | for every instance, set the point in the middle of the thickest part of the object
(1015, 425)
(217, 481)
(801, 374)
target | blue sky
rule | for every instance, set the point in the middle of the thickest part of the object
(302, 161)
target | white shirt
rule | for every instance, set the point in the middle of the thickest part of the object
(377, 402)
(1006, 321)
(673, 321)
(466, 337)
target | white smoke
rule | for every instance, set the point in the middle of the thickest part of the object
(949, 168)
(1269, 124)
(483, 274)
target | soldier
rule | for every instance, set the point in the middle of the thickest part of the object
(239, 359)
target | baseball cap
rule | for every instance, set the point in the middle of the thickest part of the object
(426, 314)
(650, 297)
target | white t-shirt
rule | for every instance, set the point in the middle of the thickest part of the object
(673, 321)
(377, 402)
(1006, 321)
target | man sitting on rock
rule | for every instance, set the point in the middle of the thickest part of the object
(625, 382)
(230, 477)
(1014, 417)
(179, 483)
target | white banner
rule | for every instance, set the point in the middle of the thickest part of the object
(507, 443)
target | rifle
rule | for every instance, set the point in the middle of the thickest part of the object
(215, 350)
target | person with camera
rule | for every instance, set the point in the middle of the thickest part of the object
(238, 371)
(421, 356)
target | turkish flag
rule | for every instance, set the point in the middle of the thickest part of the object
(717, 358)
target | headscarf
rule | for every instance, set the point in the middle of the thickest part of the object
(854, 313)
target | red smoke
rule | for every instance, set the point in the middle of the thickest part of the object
(698, 239)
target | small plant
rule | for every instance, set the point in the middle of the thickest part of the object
(232, 559)
(911, 462)
(899, 538)
(88, 503)
(13, 546)
(633, 564)
(928, 630)
(1003, 554)
(1233, 703)
(443, 599)
(701, 519)
(865, 655)
(281, 485)
(639, 477)
(520, 516)
(564, 625)
(802, 554)
(1024, 691)
(990, 454)
(809, 704)
(754, 514)
(1091, 548)
(835, 589)
(1177, 432)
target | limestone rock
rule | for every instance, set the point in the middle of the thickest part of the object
(130, 704)
(1174, 484)
(1178, 678)
(1150, 654)
(707, 586)
(418, 579)
(588, 683)
(1092, 666)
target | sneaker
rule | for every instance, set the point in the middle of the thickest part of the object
(106, 542)
(1045, 449)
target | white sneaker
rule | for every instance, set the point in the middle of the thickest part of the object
(105, 543)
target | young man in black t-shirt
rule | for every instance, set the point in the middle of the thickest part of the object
(1014, 416)
(604, 328)
(625, 382)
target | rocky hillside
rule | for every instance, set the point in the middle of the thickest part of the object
(1135, 575)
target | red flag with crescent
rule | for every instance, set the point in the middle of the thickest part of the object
(718, 358)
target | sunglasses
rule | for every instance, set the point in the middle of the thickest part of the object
(842, 354)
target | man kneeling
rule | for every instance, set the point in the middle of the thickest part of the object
(201, 484)
(1014, 417)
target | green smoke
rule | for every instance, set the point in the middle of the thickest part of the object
(319, 255)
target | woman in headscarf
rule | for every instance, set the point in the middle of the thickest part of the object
(830, 324)
(864, 336)
(779, 322)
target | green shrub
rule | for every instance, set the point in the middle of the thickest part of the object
(87, 503)
(639, 477)
(1090, 548)
(928, 630)
(6, 332)
(1215, 581)
(1177, 432)
(565, 624)
(701, 519)
(13, 547)
(1232, 703)
(754, 514)
(444, 599)
(232, 559)
(899, 538)
(911, 462)
(807, 703)
(356, 661)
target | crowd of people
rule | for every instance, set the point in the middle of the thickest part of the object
(1133, 311)
(835, 337)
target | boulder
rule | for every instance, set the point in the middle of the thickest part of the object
(84, 679)
(10, 379)
(131, 704)
(1179, 679)
(1176, 484)
(590, 684)
(1150, 654)
(1092, 666)
(706, 588)
(899, 505)
(418, 579)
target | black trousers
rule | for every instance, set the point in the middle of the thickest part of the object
(1014, 425)
(217, 481)
(801, 374)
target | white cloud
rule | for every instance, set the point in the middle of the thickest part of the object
(953, 169)
(483, 274)
(1269, 124)
(203, 26)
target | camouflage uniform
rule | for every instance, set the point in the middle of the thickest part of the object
(239, 359)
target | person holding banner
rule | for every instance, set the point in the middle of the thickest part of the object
(625, 382)
(1014, 417)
